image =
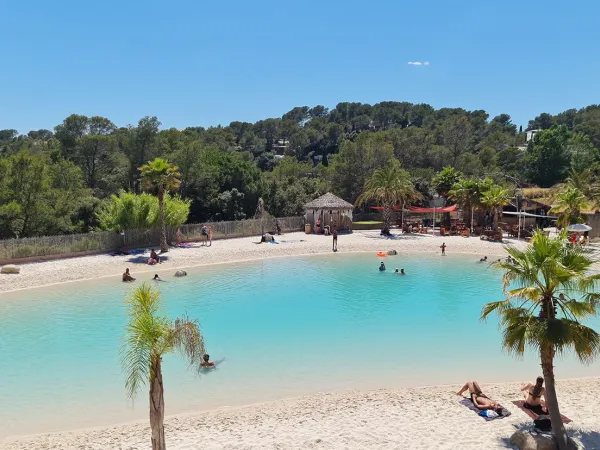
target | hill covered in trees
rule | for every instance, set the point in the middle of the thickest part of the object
(54, 181)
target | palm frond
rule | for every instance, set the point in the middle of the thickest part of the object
(186, 337)
(144, 332)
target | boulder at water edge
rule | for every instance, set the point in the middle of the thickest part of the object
(9, 268)
(392, 252)
(526, 440)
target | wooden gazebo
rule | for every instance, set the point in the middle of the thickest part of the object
(330, 209)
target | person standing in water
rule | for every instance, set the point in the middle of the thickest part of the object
(334, 234)
(382, 267)
(443, 247)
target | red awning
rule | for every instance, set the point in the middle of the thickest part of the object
(380, 208)
(445, 209)
(418, 209)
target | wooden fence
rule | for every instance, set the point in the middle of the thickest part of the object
(107, 241)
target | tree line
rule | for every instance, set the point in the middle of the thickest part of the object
(57, 181)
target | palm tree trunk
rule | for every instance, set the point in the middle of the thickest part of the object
(495, 219)
(157, 406)
(164, 247)
(558, 428)
(387, 217)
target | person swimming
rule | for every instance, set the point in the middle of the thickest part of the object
(484, 259)
(382, 267)
(206, 361)
(157, 278)
(402, 272)
(397, 271)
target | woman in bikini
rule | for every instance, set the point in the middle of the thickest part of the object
(533, 396)
(479, 399)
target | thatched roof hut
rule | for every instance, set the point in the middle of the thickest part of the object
(327, 211)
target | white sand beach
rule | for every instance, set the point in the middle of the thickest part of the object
(421, 418)
(416, 418)
(235, 250)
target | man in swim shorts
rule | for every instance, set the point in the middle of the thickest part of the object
(127, 276)
(382, 267)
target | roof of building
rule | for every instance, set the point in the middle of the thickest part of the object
(329, 201)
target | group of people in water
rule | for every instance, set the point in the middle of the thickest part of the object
(127, 278)
(532, 394)
(397, 271)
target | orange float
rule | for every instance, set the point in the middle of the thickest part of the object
(382, 254)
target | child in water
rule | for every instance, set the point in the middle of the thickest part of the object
(382, 267)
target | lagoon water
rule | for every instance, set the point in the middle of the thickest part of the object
(283, 327)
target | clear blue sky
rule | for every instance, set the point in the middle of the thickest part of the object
(198, 62)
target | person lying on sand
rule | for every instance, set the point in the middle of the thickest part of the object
(127, 276)
(533, 396)
(479, 399)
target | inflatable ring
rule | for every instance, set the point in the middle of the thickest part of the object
(382, 254)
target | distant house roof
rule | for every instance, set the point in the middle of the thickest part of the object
(328, 201)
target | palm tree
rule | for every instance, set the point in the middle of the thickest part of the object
(552, 280)
(466, 195)
(160, 176)
(390, 186)
(150, 335)
(495, 198)
(569, 203)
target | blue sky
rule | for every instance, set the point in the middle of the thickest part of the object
(201, 63)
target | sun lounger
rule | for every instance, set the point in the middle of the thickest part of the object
(469, 404)
(521, 405)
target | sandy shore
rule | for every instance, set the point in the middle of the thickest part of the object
(422, 418)
(231, 250)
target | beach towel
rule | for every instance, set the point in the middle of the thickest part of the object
(469, 404)
(521, 405)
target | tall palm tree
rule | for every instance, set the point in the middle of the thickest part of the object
(150, 335)
(548, 290)
(465, 194)
(390, 186)
(160, 176)
(569, 203)
(495, 198)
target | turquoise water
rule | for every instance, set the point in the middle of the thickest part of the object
(284, 327)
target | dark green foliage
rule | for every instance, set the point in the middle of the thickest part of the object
(225, 169)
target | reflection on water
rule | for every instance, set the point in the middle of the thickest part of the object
(280, 327)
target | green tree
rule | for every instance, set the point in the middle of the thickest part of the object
(568, 204)
(583, 153)
(548, 158)
(554, 280)
(160, 176)
(495, 198)
(466, 195)
(390, 186)
(129, 211)
(356, 162)
(446, 179)
(149, 337)
(456, 135)
(40, 196)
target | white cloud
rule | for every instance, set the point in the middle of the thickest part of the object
(418, 63)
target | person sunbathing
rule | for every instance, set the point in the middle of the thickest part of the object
(533, 396)
(479, 399)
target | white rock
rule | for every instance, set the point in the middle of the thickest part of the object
(10, 268)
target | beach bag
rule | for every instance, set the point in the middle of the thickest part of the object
(543, 423)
